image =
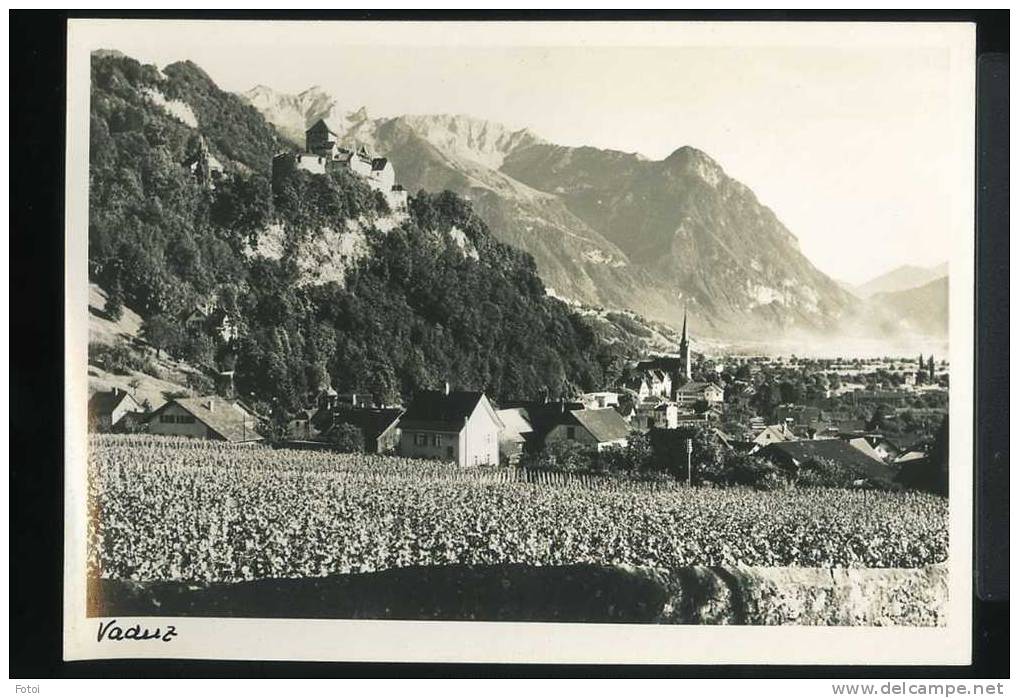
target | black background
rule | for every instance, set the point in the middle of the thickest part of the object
(38, 108)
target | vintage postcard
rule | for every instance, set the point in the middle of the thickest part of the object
(563, 342)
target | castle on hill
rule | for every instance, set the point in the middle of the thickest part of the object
(322, 151)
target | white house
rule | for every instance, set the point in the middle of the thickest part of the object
(598, 400)
(458, 426)
(113, 410)
(696, 391)
(382, 175)
(653, 382)
(655, 414)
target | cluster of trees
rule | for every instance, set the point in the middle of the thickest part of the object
(159, 238)
(418, 312)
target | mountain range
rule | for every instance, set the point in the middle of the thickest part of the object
(606, 228)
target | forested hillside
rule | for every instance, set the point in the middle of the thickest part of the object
(437, 298)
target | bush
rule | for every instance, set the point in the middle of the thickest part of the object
(564, 456)
(203, 385)
(754, 472)
(118, 358)
(822, 472)
(347, 438)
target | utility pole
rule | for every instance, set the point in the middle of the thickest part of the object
(689, 462)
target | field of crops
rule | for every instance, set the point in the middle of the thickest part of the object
(174, 509)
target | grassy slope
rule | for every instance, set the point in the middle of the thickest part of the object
(101, 330)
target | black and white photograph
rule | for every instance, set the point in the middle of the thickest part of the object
(555, 331)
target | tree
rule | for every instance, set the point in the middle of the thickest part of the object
(754, 472)
(171, 395)
(114, 307)
(163, 333)
(636, 457)
(347, 438)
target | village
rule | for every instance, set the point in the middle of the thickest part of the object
(683, 394)
(786, 410)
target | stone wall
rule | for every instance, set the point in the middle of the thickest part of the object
(574, 593)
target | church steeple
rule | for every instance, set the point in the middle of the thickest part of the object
(684, 354)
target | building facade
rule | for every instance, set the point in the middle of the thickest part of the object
(209, 417)
(601, 429)
(457, 426)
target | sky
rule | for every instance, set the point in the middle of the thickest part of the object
(848, 137)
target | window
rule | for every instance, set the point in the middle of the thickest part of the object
(571, 432)
(420, 439)
(166, 418)
(437, 440)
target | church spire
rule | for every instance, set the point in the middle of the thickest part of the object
(684, 356)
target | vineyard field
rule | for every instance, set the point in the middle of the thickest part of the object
(171, 509)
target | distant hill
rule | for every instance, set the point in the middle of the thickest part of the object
(901, 279)
(922, 310)
(607, 228)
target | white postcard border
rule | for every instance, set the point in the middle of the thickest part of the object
(441, 641)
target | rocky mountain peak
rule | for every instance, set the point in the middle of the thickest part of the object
(693, 161)
(477, 140)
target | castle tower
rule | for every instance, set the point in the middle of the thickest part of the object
(684, 355)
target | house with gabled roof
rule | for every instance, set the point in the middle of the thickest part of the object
(382, 175)
(792, 455)
(600, 428)
(650, 383)
(699, 391)
(655, 413)
(452, 425)
(379, 426)
(774, 433)
(113, 410)
(210, 417)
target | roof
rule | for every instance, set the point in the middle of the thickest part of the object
(668, 363)
(908, 456)
(777, 431)
(604, 424)
(863, 446)
(831, 449)
(107, 401)
(515, 420)
(695, 387)
(324, 123)
(373, 422)
(437, 409)
(227, 419)
(379, 163)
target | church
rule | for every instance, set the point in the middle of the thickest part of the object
(677, 367)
